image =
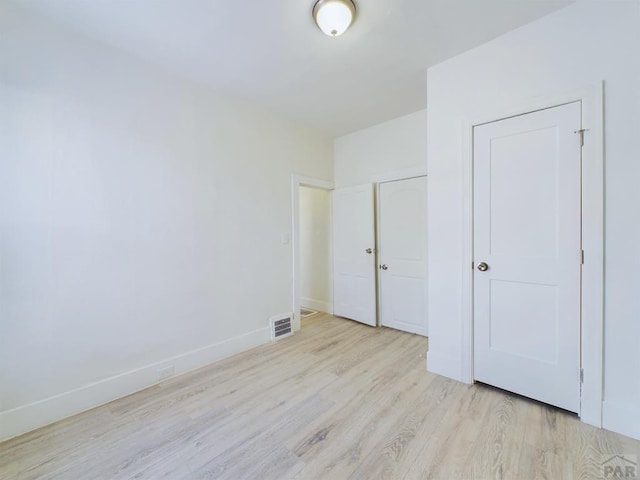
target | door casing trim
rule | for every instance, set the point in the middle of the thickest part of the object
(591, 97)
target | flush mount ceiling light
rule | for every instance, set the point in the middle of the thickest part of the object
(333, 17)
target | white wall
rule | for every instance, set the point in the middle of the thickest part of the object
(582, 44)
(315, 242)
(397, 146)
(140, 223)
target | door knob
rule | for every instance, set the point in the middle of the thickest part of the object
(384, 266)
(369, 251)
(483, 267)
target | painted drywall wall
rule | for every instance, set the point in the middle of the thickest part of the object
(397, 146)
(142, 221)
(583, 44)
(315, 252)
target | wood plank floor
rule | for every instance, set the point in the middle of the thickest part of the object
(338, 400)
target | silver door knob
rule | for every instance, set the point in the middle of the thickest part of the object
(369, 251)
(483, 267)
(384, 266)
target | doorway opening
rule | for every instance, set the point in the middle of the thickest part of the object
(312, 248)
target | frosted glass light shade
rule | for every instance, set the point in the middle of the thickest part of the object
(333, 17)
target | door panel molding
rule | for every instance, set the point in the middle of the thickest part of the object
(591, 97)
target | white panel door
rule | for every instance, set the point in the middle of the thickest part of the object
(402, 257)
(527, 221)
(354, 266)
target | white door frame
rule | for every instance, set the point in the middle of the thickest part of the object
(298, 181)
(394, 176)
(592, 323)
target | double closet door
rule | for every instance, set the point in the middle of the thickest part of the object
(380, 247)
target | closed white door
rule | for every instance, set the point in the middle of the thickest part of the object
(354, 285)
(402, 258)
(527, 255)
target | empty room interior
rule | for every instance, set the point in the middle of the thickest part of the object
(319, 239)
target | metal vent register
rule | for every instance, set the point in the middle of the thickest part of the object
(281, 327)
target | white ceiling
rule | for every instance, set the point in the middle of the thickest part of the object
(270, 51)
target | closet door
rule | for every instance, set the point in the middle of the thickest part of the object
(354, 254)
(402, 227)
(527, 252)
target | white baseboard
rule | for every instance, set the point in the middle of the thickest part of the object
(25, 418)
(319, 305)
(621, 418)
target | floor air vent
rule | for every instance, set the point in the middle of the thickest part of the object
(307, 312)
(281, 326)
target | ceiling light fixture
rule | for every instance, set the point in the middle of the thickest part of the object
(333, 17)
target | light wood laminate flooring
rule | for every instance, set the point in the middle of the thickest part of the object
(338, 400)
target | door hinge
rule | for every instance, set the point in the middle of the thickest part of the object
(582, 375)
(581, 257)
(581, 133)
